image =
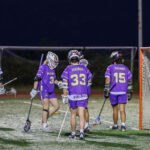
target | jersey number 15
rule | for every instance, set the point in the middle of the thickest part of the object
(119, 77)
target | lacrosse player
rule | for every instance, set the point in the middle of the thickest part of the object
(77, 77)
(2, 89)
(119, 77)
(86, 124)
(44, 83)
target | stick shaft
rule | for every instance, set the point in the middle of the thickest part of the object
(63, 123)
(30, 109)
(10, 81)
(41, 59)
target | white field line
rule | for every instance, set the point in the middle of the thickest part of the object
(107, 122)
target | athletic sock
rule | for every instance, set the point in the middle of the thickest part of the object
(73, 133)
(115, 125)
(123, 124)
(44, 125)
(81, 131)
(86, 124)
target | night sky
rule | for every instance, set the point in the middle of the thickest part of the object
(72, 22)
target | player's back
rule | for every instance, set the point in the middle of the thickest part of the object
(78, 79)
(119, 77)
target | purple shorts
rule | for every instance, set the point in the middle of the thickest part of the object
(75, 104)
(45, 95)
(118, 99)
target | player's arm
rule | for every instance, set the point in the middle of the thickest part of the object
(130, 86)
(34, 91)
(107, 87)
(130, 90)
(65, 92)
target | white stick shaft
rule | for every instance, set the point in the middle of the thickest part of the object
(10, 81)
(63, 123)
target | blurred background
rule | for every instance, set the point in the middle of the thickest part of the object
(68, 23)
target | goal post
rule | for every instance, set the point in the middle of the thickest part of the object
(144, 88)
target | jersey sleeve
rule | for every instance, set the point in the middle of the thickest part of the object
(89, 74)
(129, 74)
(40, 71)
(65, 74)
(107, 73)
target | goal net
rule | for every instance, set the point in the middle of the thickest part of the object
(23, 62)
(144, 103)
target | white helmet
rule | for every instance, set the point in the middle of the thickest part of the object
(83, 62)
(52, 59)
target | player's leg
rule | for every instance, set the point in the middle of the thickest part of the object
(73, 111)
(114, 103)
(45, 103)
(86, 124)
(81, 110)
(55, 106)
(123, 100)
(81, 118)
(73, 119)
(115, 114)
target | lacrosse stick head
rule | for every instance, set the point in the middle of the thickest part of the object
(97, 121)
(27, 126)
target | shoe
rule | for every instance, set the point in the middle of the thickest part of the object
(87, 130)
(123, 128)
(72, 136)
(81, 136)
(46, 129)
(114, 127)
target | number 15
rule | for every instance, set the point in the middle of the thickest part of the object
(119, 77)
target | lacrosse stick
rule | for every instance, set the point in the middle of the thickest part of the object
(98, 119)
(63, 123)
(9, 81)
(28, 122)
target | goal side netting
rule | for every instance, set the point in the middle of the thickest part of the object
(144, 88)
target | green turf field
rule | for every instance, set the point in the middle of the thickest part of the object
(13, 113)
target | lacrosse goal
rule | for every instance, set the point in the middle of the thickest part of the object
(144, 88)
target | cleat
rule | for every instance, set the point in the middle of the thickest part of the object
(123, 128)
(87, 130)
(81, 136)
(46, 129)
(72, 136)
(114, 127)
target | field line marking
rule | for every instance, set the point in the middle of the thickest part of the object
(90, 117)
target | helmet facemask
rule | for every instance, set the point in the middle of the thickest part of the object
(52, 59)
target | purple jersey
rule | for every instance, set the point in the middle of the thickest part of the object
(119, 75)
(77, 77)
(48, 78)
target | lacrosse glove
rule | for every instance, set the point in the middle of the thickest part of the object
(60, 84)
(33, 93)
(130, 90)
(106, 90)
(2, 90)
(64, 99)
